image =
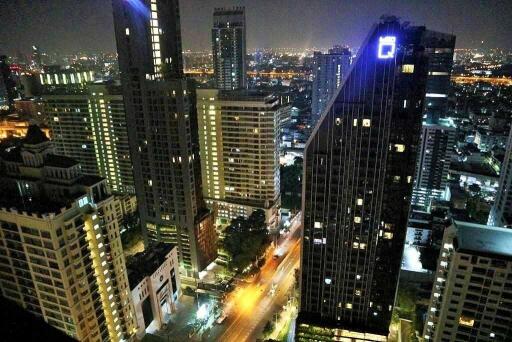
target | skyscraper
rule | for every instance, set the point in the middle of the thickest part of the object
(229, 48)
(434, 156)
(61, 256)
(329, 70)
(238, 135)
(89, 124)
(471, 298)
(438, 131)
(501, 211)
(160, 112)
(359, 165)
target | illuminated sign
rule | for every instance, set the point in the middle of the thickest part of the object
(387, 47)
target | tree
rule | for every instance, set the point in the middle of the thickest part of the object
(246, 240)
(291, 184)
(268, 328)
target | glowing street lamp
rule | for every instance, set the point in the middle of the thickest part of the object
(202, 312)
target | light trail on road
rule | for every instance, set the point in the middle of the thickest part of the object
(251, 305)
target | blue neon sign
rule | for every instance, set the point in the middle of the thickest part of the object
(387, 47)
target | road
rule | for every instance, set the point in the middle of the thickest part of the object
(252, 304)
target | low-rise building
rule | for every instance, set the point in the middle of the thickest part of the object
(155, 285)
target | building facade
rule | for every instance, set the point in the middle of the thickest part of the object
(238, 138)
(229, 48)
(358, 170)
(61, 256)
(328, 70)
(155, 286)
(438, 131)
(161, 119)
(501, 211)
(472, 294)
(88, 124)
(433, 164)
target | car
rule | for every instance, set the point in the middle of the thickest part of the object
(221, 319)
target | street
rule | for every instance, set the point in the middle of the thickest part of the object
(252, 305)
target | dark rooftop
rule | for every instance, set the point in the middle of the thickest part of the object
(89, 180)
(484, 239)
(35, 136)
(146, 263)
(60, 161)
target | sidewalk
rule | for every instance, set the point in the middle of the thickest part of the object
(178, 326)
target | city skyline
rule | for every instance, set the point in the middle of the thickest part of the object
(327, 23)
(172, 185)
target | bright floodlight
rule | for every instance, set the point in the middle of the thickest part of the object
(387, 47)
(202, 312)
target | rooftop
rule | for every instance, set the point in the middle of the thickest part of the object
(55, 160)
(144, 264)
(90, 180)
(483, 239)
(35, 136)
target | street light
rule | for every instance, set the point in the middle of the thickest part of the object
(202, 312)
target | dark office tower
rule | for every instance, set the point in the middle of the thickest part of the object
(359, 165)
(159, 106)
(438, 131)
(229, 48)
(329, 70)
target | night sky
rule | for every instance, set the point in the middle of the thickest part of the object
(86, 25)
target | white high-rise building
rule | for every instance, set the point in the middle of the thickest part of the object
(471, 298)
(61, 256)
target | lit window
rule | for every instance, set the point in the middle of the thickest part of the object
(338, 121)
(408, 68)
(466, 321)
(359, 201)
(358, 292)
(366, 122)
(388, 235)
(150, 182)
(348, 306)
(56, 118)
(127, 31)
(328, 281)
(357, 219)
(399, 147)
(355, 122)
(318, 224)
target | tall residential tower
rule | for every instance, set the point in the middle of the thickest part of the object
(359, 166)
(471, 298)
(238, 136)
(88, 123)
(329, 70)
(501, 211)
(61, 256)
(229, 48)
(160, 112)
(438, 131)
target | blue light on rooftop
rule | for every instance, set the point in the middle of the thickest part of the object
(139, 7)
(387, 47)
